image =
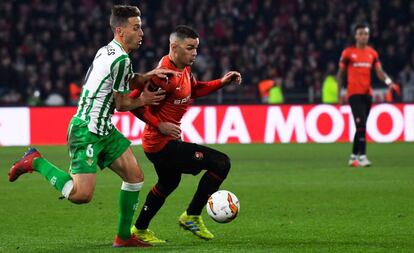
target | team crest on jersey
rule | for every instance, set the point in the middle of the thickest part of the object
(89, 161)
(110, 50)
(362, 64)
(198, 155)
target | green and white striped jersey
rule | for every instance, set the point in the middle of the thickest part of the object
(110, 71)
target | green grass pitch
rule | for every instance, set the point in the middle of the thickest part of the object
(294, 198)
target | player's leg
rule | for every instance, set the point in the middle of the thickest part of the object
(127, 168)
(118, 156)
(168, 179)
(77, 189)
(366, 107)
(194, 158)
(31, 161)
(357, 107)
(83, 188)
(84, 150)
(363, 113)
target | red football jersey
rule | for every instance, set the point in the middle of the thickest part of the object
(358, 63)
(179, 92)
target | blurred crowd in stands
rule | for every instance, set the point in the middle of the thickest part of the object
(47, 46)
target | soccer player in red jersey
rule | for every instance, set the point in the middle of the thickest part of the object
(163, 146)
(357, 62)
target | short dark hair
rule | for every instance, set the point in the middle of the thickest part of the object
(360, 25)
(183, 32)
(121, 13)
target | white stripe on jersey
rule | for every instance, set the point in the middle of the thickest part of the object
(110, 71)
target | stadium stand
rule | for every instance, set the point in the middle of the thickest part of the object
(47, 45)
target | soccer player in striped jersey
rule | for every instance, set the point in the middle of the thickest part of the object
(171, 156)
(357, 62)
(92, 139)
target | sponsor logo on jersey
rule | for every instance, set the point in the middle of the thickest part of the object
(182, 101)
(362, 64)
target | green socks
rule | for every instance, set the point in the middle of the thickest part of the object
(53, 174)
(128, 203)
(128, 196)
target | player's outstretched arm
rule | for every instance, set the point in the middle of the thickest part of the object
(201, 89)
(123, 102)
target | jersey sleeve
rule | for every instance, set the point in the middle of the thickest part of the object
(120, 73)
(344, 60)
(144, 114)
(201, 89)
(376, 61)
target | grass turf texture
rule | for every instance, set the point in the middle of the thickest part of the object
(294, 198)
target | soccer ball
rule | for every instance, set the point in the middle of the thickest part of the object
(223, 206)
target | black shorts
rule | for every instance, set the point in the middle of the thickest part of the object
(183, 157)
(360, 105)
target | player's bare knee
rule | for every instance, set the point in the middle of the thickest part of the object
(135, 175)
(81, 198)
(138, 178)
